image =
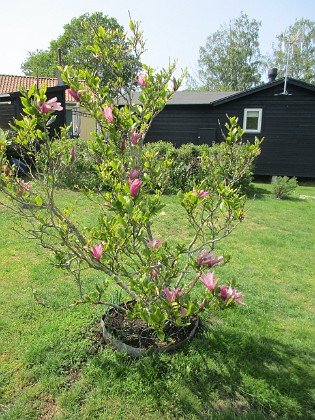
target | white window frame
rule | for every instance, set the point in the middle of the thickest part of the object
(250, 130)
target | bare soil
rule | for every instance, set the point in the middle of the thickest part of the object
(137, 333)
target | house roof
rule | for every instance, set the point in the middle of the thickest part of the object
(219, 97)
(10, 84)
(198, 98)
(264, 86)
(188, 97)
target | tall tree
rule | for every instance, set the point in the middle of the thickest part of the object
(74, 42)
(230, 60)
(295, 51)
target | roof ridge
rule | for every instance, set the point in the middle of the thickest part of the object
(25, 76)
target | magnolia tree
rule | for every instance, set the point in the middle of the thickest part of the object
(160, 277)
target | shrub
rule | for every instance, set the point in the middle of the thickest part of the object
(119, 241)
(230, 163)
(283, 186)
(81, 171)
(190, 164)
(183, 164)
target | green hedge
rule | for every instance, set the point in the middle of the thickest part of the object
(186, 168)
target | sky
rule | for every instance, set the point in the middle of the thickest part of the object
(173, 29)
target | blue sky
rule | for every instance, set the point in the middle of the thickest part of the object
(174, 29)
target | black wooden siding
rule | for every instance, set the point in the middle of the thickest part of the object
(7, 110)
(288, 126)
(14, 110)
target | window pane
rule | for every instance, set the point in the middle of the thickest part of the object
(252, 120)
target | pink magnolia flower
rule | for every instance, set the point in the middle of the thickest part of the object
(76, 95)
(175, 87)
(97, 251)
(72, 153)
(51, 105)
(154, 244)
(208, 281)
(136, 135)
(134, 173)
(142, 79)
(24, 186)
(203, 194)
(134, 187)
(202, 305)
(108, 113)
(154, 273)
(227, 294)
(172, 295)
(97, 56)
(208, 258)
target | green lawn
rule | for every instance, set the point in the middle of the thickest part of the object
(256, 362)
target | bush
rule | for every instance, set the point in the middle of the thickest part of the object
(81, 172)
(229, 166)
(190, 164)
(283, 186)
(186, 165)
(185, 170)
(156, 275)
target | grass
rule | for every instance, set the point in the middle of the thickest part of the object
(256, 362)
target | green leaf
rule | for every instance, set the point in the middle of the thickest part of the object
(101, 32)
(39, 200)
(131, 25)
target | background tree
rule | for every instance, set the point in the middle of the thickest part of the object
(74, 42)
(298, 40)
(230, 60)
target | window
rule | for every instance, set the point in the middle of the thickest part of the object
(252, 120)
(73, 117)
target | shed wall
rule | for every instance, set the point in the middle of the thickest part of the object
(14, 110)
(288, 126)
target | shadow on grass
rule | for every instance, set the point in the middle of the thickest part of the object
(220, 375)
(258, 374)
(258, 193)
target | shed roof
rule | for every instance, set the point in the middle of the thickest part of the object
(264, 86)
(9, 84)
(188, 97)
(198, 98)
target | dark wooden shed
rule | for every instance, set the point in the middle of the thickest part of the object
(286, 119)
(11, 107)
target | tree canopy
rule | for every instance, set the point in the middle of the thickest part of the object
(230, 60)
(297, 44)
(74, 44)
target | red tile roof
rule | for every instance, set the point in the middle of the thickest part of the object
(9, 84)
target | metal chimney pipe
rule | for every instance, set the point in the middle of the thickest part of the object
(60, 82)
(272, 74)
